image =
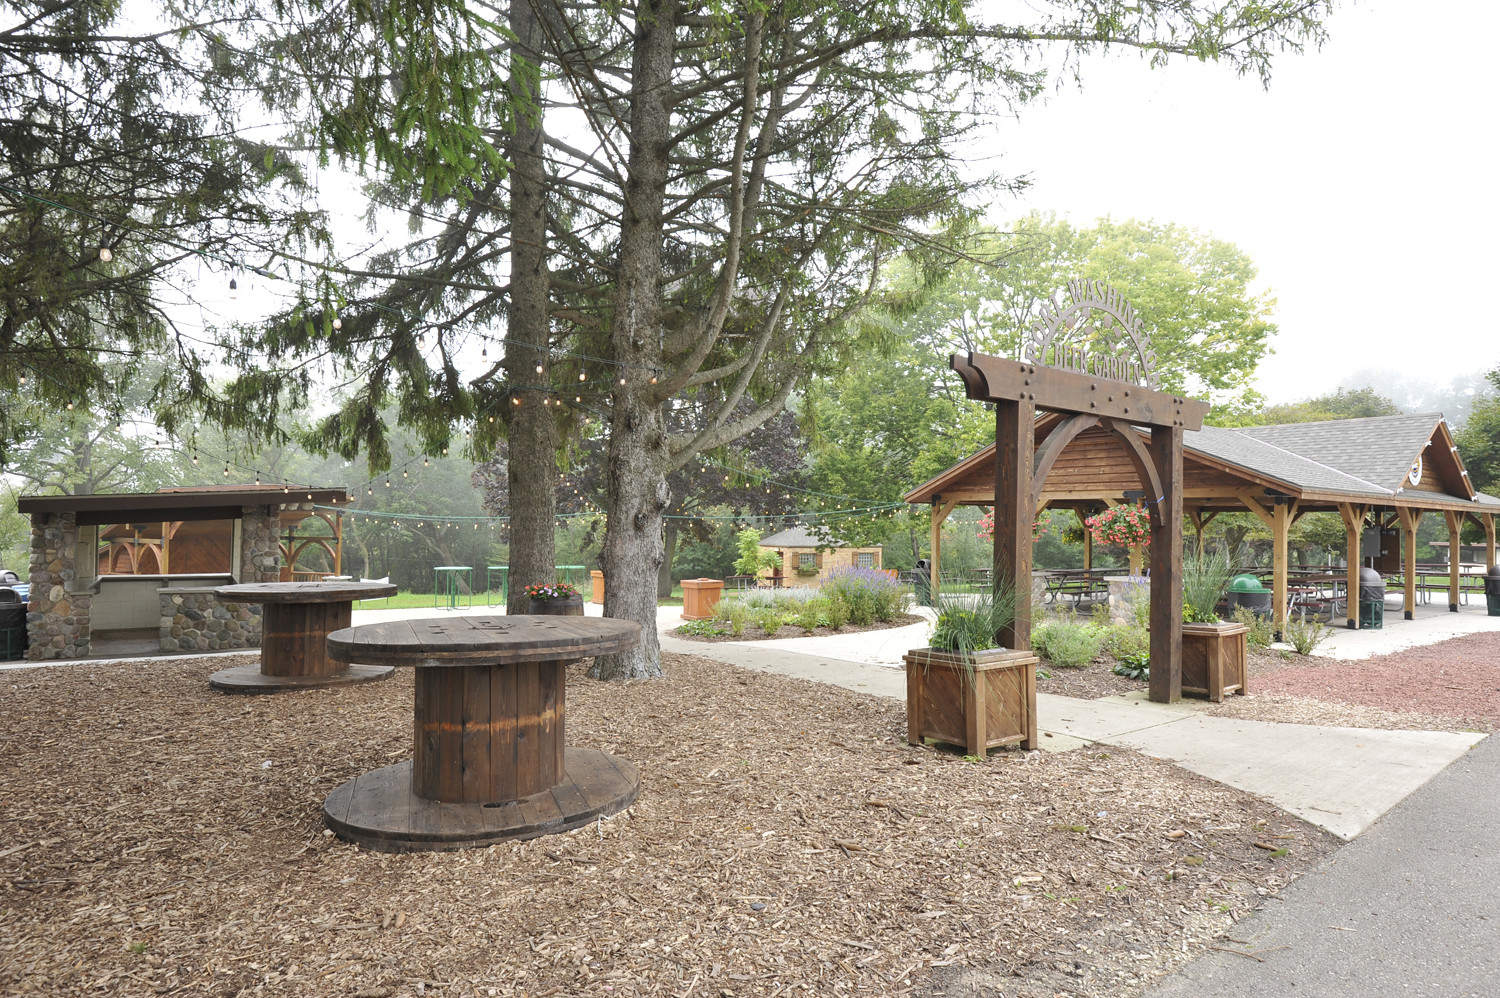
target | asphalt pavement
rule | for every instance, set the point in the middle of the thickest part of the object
(1409, 908)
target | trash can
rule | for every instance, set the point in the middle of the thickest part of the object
(13, 639)
(1492, 590)
(1246, 590)
(1371, 599)
(921, 583)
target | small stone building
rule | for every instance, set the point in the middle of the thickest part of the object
(807, 558)
(105, 566)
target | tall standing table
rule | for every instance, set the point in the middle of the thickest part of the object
(489, 761)
(294, 634)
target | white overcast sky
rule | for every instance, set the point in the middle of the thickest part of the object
(1362, 184)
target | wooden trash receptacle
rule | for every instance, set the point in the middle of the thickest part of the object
(598, 579)
(699, 597)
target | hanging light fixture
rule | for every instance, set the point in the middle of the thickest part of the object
(106, 254)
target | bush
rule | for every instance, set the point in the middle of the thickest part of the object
(768, 619)
(1066, 645)
(869, 593)
(1126, 640)
(702, 628)
(1303, 634)
(734, 614)
(1262, 630)
(837, 612)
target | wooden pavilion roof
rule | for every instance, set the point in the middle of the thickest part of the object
(214, 502)
(1321, 464)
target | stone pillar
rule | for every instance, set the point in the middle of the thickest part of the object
(260, 548)
(57, 618)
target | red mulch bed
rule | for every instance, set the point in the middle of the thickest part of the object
(1457, 678)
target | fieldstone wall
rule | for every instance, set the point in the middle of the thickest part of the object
(1125, 591)
(57, 621)
(197, 620)
(260, 550)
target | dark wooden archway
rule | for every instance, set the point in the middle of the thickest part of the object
(1018, 389)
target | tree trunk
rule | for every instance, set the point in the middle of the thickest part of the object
(664, 575)
(532, 464)
(638, 451)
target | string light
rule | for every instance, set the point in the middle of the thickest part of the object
(106, 254)
(539, 369)
(234, 288)
(338, 323)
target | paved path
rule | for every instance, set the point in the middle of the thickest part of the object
(1341, 779)
(1408, 908)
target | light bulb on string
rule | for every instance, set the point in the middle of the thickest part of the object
(539, 369)
(234, 288)
(582, 376)
(424, 462)
(106, 254)
(338, 323)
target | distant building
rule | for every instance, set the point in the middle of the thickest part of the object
(807, 558)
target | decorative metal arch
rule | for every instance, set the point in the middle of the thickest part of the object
(1098, 332)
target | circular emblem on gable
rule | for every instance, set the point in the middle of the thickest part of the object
(1415, 474)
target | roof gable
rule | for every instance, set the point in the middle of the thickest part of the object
(1378, 449)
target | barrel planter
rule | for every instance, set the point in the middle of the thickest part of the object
(567, 606)
(1214, 660)
(980, 704)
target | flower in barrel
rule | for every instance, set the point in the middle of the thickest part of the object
(551, 590)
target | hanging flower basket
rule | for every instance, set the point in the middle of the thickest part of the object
(1123, 525)
(986, 530)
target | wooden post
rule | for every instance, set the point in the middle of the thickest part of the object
(338, 550)
(1088, 540)
(1409, 520)
(940, 511)
(1281, 526)
(1135, 559)
(1015, 445)
(1354, 525)
(1166, 566)
(166, 540)
(1488, 519)
(1455, 524)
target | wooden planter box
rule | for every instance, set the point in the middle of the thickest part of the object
(988, 702)
(597, 577)
(1213, 659)
(699, 597)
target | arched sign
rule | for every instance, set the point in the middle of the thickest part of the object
(1097, 333)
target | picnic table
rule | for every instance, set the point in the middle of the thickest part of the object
(489, 761)
(1077, 584)
(294, 631)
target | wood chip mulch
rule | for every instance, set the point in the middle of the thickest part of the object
(159, 838)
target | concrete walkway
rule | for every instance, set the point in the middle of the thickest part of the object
(1409, 908)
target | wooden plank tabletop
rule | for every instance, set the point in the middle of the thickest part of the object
(305, 592)
(488, 640)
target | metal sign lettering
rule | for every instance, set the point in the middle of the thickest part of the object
(1097, 333)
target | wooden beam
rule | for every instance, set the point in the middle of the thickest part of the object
(1166, 566)
(1409, 521)
(1254, 504)
(1455, 525)
(1052, 449)
(1489, 540)
(1281, 526)
(1088, 540)
(1015, 508)
(994, 379)
(940, 513)
(1354, 526)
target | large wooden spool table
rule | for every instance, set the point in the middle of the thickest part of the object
(489, 761)
(295, 624)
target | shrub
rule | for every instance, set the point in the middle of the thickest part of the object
(837, 612)
(1134, 666)
(1066, 644)
(702, 628)
(869, 593)
(734, 614)
(1125, 641)
(768, 619)
(1205, 580)
(1303, 634)
(1262, 630)
(969, 623)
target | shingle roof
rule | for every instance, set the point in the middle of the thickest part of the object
(801, 537)
(1377, 449)
(1238, 447)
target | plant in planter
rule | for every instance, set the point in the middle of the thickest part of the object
(1213, 652)
(554, 598)
(963, 690)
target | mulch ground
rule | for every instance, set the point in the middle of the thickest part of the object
(159, 838)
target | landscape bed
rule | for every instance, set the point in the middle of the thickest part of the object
(160, 838)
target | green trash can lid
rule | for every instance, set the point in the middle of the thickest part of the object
(1246, 583)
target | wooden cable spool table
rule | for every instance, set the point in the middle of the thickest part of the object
(294, 632)
(488, 757)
